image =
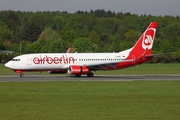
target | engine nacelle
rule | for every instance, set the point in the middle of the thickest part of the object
(78, 70)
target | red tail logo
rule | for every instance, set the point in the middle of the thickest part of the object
(144, 45)
(148, 38)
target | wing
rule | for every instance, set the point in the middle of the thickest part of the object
(106, 65)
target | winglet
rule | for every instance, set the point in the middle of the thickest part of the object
(68, 50)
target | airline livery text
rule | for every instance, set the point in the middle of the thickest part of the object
(64, 59)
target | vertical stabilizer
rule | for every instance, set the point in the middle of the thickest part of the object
(144, 45)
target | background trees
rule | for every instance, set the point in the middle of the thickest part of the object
(94, 31)
(84, 45)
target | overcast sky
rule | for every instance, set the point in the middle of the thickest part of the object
(152, 7)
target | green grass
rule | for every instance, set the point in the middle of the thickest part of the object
(137, 100)
(139, 69)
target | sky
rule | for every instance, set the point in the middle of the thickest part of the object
(148, 7)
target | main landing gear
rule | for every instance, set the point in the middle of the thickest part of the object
(90, 74)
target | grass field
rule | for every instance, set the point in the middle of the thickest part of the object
(137, 100)
(139, 69)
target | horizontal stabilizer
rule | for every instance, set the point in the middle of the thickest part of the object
(154, 55)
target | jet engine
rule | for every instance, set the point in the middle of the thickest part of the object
(78, 70)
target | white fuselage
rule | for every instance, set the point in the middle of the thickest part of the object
(54, 61)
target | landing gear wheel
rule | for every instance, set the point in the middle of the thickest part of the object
(21, 75)
(90, 74)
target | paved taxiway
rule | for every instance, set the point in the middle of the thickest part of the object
(44, 78)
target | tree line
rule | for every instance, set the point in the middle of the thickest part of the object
(93, 31)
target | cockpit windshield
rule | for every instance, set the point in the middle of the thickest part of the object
(15, 59)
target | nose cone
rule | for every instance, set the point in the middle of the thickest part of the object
(8, 65)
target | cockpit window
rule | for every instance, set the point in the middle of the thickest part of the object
(15, 59)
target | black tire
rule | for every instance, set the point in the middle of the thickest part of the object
(90, 74)
(21, 75)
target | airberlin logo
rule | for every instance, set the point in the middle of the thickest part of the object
(148, 38)
(64, 59)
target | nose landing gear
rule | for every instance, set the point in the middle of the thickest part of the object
(20, 72)
(21, 75)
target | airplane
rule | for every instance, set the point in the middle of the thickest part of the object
(60, 71)
(84, 63)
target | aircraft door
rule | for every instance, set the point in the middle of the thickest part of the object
(29, 61)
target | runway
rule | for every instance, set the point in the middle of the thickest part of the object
(48, 78)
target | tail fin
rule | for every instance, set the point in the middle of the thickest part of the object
(144, 45)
